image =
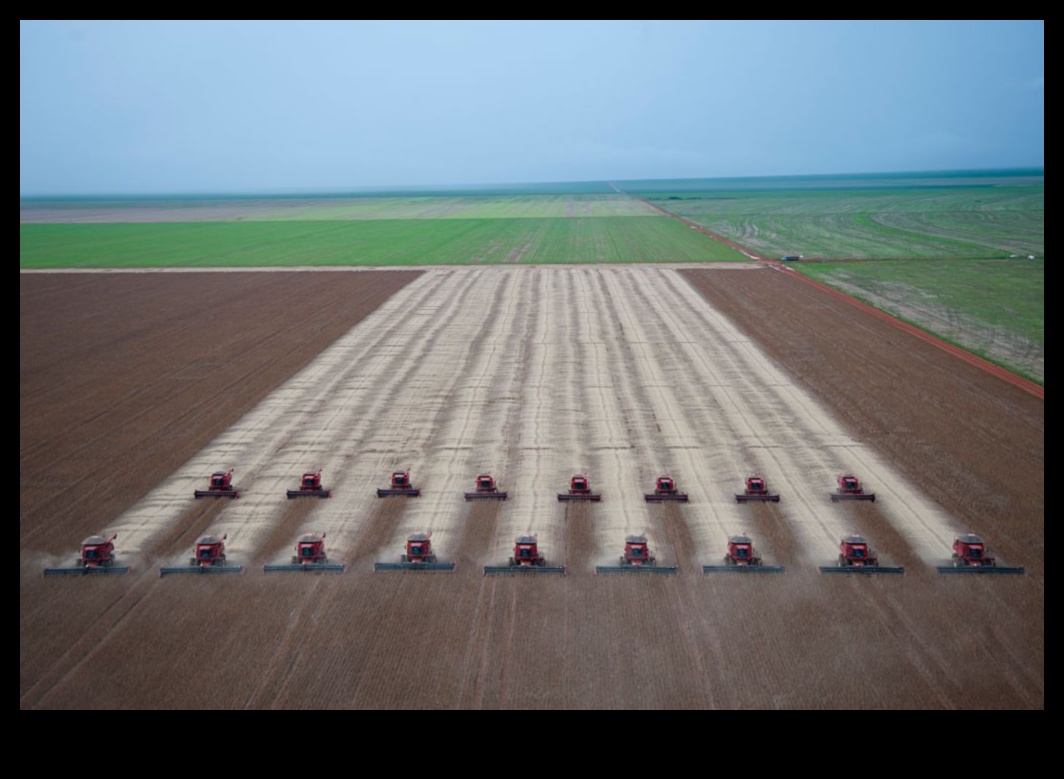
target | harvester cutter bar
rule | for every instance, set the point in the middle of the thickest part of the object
(305, 568)
(486, 496)
(867, 570)
(524, 570)
(637, 569)
(201, 569)
(679, 497)
(593, 498)
(217, 494)
(309, 494)
(708, 569)
(86, 571)
(867, 496)
(388, 492)
(982, 569)
(413, 566)
(757, 498)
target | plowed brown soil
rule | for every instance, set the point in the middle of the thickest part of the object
(537, 374)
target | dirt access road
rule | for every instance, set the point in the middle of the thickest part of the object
(537, 374)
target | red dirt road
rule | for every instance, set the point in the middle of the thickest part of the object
(463, 640)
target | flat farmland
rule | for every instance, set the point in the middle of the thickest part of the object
(466, 206)
(535, 374)
(575, 239)
(949, 218)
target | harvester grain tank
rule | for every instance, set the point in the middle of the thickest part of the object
(399, 486)
(857, 557)
(310, 557)
(756, 490)
(665, 491)
(485, 489)
(637, 558)
(219, 486)
(208, 557)
(742, 557)
(418, 556)
(848, 488)
(97, 556)
(310, 487)
(526, 559)
(972, 556)
(580, 490)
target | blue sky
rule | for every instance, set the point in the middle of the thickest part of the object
(201, 107)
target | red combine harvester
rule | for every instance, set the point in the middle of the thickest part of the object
(310, 557)
(580, 489)
(400, 486)
(850, 488)
(220, 486)
(310, 487)
(637, 558)
(526, 559)
(742, 557)
(485, 489)
(665, 491)
(209, 557)
(419, 556)
(856, 556)
(97, 556)
(971, 555)
(756, 491)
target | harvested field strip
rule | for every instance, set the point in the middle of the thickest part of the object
(821, 341)
(722, 412)
(340, 413)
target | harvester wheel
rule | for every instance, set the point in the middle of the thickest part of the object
(728, 560)
(843, 562)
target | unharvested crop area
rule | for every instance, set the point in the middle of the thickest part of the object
(466, 206)
(995, 308)
(379, 242)
(835, 220)
(534, 373)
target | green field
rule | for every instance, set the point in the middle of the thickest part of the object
(995, 308)
(262, 209)
(378, 242)
(947, 251)
(963, 222)
(962, 215)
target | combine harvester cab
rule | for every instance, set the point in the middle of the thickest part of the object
(208, 558)
(485, 489)
(580, 490)
(637, 558)
(97, 556)
(400, 486)
(742, 557)
(665, 491)
(526, 560)
(310, 557)
(756, 491)
(972, 556)
(849, 488)
(310, 487)
(220, 486)
(857, 557)
(419, 556)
